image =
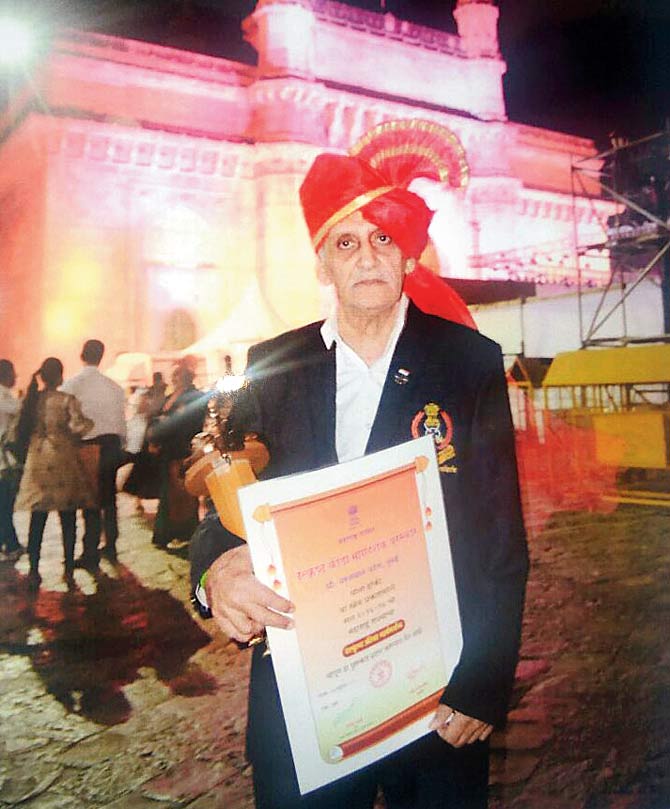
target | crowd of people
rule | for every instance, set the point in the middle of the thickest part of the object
(63, 442)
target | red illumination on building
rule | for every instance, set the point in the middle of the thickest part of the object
(149, 195)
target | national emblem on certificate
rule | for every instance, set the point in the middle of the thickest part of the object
(362, 550)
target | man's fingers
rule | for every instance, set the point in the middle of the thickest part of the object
(468, 731)
(237, 626)
(259, 602)
(271, 600)
(268, 617)
(457, 729)
(471, 734)
(242, 605)
(232, 579)
(229, 629)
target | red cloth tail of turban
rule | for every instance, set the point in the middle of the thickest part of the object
(435, 297)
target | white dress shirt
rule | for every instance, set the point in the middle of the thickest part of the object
(9, 407)
(358, 386)
(102, 401)
(9, 410)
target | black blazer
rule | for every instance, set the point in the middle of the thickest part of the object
(291, 405)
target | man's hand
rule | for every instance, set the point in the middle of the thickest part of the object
(242, 606)
(458, 729)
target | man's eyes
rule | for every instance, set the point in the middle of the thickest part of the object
(348, 243)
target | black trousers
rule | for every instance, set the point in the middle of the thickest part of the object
(68, 523)
(104, 518)
(428, 774)
(8, 539)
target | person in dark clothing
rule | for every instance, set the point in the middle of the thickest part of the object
(10, 465)
(381, 370)
(155, 395)
(170, 437)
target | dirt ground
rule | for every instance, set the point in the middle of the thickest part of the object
(112, 694)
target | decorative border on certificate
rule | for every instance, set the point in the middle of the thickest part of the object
(359, 548)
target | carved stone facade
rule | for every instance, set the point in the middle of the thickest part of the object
(144, 186)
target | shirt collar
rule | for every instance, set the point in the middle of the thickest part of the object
(330, 333)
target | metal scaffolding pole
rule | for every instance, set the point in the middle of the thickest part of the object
(637, 176)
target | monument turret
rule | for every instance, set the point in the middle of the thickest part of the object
(477, 22)
(282, 32)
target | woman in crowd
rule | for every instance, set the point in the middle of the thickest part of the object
(54, 478)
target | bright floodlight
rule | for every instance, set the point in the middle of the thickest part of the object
(16, 41)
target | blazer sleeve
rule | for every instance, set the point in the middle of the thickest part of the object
(492, 560)
(210, 539)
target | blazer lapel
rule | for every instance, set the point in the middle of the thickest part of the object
(319, 391)
(406, 369)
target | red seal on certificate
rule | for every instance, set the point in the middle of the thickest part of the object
(380, 673)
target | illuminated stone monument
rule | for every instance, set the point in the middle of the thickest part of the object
(149, 195)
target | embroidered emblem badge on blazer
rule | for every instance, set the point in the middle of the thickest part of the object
(433, 420)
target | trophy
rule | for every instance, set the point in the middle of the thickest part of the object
(223, 458)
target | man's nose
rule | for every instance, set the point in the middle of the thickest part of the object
(366, 255)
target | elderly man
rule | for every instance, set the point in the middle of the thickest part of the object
(374, 374)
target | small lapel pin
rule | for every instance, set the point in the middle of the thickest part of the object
(401, 376)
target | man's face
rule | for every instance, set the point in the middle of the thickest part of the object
(364, 265)
(180, 378)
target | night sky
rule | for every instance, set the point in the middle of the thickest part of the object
(589, 67)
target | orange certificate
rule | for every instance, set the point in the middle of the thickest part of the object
(362, 550)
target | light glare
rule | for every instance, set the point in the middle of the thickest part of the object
(16, 41)
(229, 383)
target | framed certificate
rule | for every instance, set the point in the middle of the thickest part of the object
(362, 549)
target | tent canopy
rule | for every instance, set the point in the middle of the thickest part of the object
(250, 322)
(131, 368)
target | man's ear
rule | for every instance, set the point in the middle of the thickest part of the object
(410, 264)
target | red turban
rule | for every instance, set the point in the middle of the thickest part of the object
(337, 186)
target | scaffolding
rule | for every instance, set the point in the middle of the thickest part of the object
(636, 177)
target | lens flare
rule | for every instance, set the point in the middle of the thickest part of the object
(17, 42)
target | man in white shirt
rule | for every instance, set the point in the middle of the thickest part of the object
(103, 401)
(378, 372)
(9, 412)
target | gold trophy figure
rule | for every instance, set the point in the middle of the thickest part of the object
(223, 460)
